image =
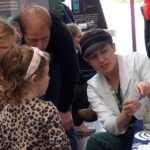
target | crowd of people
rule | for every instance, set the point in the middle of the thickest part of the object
(49, 71)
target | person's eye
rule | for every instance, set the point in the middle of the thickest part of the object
(92, 57)
(103, 51)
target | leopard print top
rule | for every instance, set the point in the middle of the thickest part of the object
(32, 125)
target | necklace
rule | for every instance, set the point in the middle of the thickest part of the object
(117, 96)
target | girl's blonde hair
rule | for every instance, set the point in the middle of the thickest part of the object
(13, 69)
(6, 29)
(74, 29)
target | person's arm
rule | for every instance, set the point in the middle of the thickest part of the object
(142, 88)
(128, 109)
(103, 103)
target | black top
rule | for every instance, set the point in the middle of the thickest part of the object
(63, 54)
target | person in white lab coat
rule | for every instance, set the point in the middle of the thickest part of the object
(118, 92)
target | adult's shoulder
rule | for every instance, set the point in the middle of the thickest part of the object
(93, 80)
(57, 24)
(44, 105)
(132, 57)
(133, 62)
(61, 39)
(59, 32)
(132, 54)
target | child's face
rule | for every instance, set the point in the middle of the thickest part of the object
(76, 39)
(43, 82)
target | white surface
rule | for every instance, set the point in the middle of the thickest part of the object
(144, 147)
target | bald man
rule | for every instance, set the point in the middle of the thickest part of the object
(44, 30)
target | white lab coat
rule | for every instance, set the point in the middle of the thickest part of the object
(133, 68)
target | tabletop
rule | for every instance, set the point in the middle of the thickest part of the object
(140, 138)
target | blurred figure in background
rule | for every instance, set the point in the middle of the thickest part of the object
(146, 15)
(8, 34)
(61, 10)
(80, 97)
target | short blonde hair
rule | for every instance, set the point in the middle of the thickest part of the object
(74, 29)
(6, 29)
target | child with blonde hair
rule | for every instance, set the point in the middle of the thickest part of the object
(26, 121)
(8, 34)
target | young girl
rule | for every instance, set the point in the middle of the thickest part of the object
(27, 122)
(8, 35)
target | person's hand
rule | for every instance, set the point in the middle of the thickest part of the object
(130, 107)
(143, 89)
(66, 120)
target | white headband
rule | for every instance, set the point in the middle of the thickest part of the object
(35, 62)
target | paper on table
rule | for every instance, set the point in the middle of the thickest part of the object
(144, 147)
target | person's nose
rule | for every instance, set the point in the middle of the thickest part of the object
(100, 58)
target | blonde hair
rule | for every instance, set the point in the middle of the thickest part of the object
(13, 66)
(74, 29)
(6, 29)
